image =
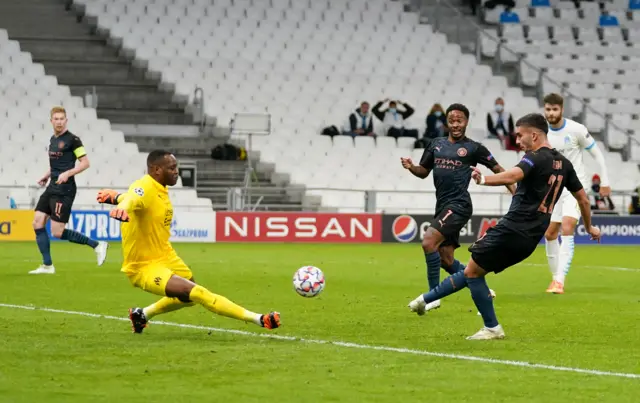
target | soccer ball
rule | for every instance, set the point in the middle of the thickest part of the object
(308, 281)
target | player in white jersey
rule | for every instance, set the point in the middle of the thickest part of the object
(571, 139)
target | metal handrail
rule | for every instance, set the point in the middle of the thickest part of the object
(608, 124)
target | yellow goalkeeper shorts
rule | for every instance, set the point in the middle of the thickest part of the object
(154, 277)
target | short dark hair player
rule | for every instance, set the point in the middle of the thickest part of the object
(451, 159)
(541, 175)
(56, 201)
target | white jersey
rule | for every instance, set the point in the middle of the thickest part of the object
(571, 140)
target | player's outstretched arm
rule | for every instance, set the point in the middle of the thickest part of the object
(417, 170)
(510, 187)
(509, 177)
(585, 211)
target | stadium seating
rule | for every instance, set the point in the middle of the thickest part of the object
(309, 63)
(597, 65)
(27, 97)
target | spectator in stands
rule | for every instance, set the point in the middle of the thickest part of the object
(600, 202)
(500, 125)
(508, 16)
(607, 20)
(634, 206)
(360, 122)
(436, 123)
(393, 118)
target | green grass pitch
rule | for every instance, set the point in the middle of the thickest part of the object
(48, 356)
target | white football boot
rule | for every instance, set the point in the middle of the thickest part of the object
(101, 252)
(488, 333)
(420, 307)
(44, 270)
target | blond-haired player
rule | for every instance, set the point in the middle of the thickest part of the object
(56, 201)
(572, 139)
(150, 262)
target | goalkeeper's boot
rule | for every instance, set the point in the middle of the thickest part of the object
(138, 319)
(270, 320)
(101, 252)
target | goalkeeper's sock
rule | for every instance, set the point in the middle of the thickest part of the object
(482, 298)
(44, 245)
(552, 248)
(165, 305)
(222, 306)
(566, 256)
(449, 285)
(433, 269)
(76, 237)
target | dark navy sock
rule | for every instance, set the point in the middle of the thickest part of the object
(76, 237)
(449, 285)
(433, 269)
(482, 298)
(455, 267)
(44, 245)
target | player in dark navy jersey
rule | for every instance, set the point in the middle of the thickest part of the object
(56, 201)
(541, 175)
(451, 159)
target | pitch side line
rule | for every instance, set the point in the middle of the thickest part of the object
(344, 344)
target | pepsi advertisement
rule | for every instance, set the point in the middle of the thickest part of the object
(407, 228)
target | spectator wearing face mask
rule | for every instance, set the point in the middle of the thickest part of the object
(360, 122)
(500, 125)
(436, 123)
(602, 203)
(393, 118)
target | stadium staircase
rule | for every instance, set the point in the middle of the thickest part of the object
(214, 177)
(69, 49)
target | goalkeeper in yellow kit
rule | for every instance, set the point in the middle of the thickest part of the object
(150, 262)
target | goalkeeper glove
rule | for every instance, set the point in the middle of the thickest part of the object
(119, 214)
(108, 196)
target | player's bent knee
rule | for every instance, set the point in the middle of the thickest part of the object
(446, 261)
(178, 287)
(430, 242)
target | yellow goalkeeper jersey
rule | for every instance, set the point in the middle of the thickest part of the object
(145, 238)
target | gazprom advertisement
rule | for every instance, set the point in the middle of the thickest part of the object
(185, 226)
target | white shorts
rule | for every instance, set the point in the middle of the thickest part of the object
(567, 206)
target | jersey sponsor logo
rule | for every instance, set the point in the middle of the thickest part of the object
(297, 227)
(139, 191)
(447, 163)
(462, 151)
(404, 228)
